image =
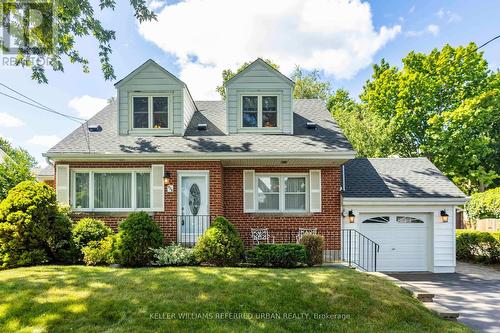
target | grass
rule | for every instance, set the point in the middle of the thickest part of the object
(96, 299)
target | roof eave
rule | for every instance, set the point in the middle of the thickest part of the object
(404, 201)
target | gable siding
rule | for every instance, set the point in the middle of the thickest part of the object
(259, 79)
(189, 109)
(153, 80)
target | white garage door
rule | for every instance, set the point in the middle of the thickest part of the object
(402, 239)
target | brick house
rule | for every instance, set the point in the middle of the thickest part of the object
(260, 158)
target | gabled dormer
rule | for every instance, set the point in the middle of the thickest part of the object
(259, 100)
(153, 102)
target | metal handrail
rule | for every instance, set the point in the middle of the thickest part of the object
(359, 250)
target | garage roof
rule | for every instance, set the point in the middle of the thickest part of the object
(396, 178)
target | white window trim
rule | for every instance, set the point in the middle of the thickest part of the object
(259, 111)
(93, 171)
(150, 96)
(281, 192)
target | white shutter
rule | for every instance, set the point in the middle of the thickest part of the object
(157, 190)
(315, 190)
(62, 183)
(248, 191)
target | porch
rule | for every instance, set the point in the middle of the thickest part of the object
(341, 245)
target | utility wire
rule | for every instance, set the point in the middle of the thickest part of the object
(496, 37)
(39, 105)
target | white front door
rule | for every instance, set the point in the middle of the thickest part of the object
(193, 206)
(403, 240)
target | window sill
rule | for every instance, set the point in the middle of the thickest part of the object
(282, 214)
(151, 132)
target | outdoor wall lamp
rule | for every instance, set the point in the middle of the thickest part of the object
(351, 216)
(444, 216)
(166, 178)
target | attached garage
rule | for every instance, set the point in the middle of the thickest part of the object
(399, 204)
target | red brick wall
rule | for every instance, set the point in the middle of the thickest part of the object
(284, 225)
(167, 220)
(226, 198)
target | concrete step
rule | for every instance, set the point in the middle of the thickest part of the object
(418, 293)
(442, 311)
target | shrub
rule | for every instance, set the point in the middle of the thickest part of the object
(479, 246)
(173, 255)
(99, 252)
(484, 205)
(314, 245)
(33, 229)
(89, 230)
(220, 245)
(277, 255)
(137, 234)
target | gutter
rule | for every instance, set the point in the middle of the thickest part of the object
(198, 156)
(404, 201)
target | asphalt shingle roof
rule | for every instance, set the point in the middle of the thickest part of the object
(326, 138)
(396, 178)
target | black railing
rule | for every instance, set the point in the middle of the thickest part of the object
(359, 250)
(191, 227)
(345, 245)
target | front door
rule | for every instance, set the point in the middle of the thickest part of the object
(193, 206)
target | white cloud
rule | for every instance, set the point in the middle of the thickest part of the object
(86, 106)
(6, 120)
(432, 29)
(336, 36)
(155, 4)
(448, 15)
(44, 140)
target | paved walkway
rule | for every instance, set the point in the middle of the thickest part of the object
(474, 291)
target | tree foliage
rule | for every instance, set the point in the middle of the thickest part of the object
(14, 168)
(484, 205)
(56, 37)
(309, 85)
(228, 74)
(442, 105)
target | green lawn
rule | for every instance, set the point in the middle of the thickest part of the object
(89, 299)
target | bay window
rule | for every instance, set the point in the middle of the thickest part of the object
(150, 111)
(259, 111)
(281, 193)
(115, 190)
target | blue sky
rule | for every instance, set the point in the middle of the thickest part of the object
(195, 40)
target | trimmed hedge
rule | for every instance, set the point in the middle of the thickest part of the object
(138, 233)
(33, 228)
(484, 205)
(89, 230)
(478, 246)
(220, 245)
(315, 245)
(99, 252)
(277, 255)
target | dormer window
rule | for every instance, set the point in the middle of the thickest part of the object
(150, 111)
(259, 111)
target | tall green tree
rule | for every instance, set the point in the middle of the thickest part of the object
(442, 105)
(228, 74)
(14, 168)
(55, 32)
(365, 130)
(309, 85)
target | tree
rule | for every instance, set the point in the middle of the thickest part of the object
(365, 130)
(228, 74)
(61, 24)
(309, 86)
(15, 167)
(442, 105)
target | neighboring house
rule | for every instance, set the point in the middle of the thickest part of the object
(45, 175)
(260, 158)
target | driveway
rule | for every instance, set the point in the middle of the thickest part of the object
(474, 292)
